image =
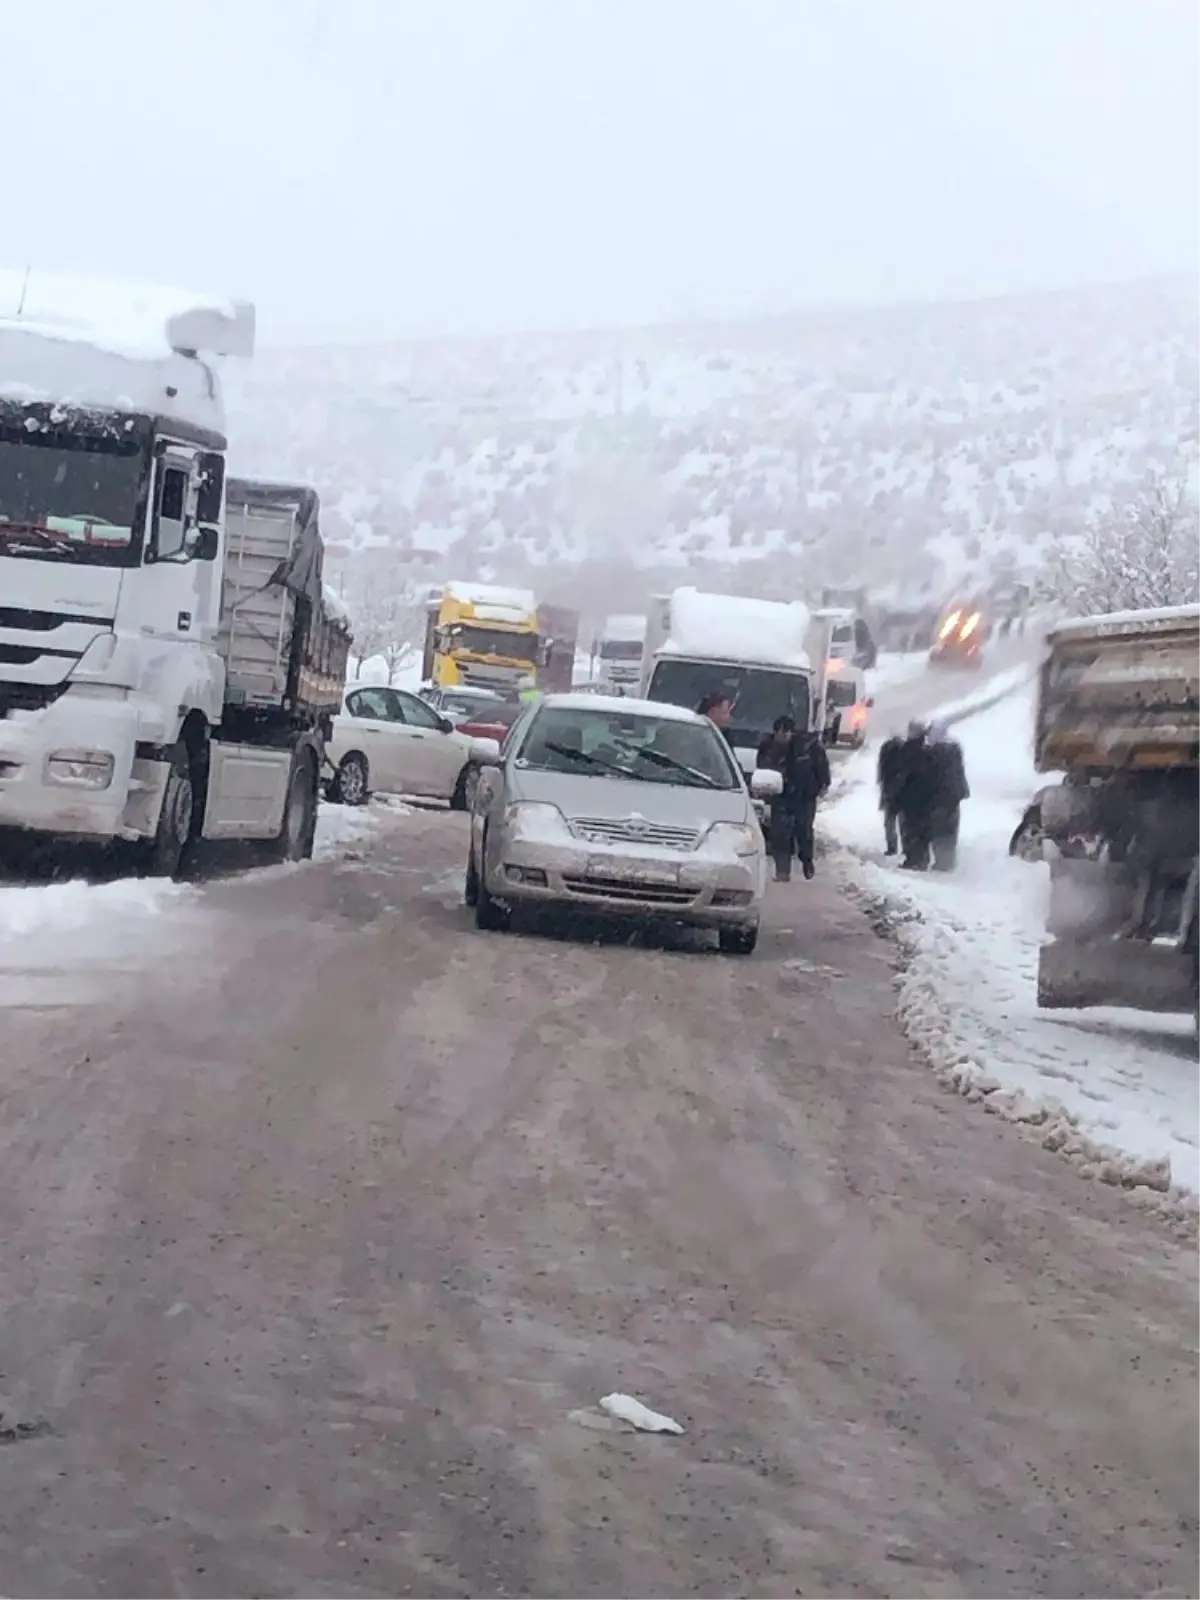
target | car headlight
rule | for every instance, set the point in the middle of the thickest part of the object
(732, 838)
(535, 819)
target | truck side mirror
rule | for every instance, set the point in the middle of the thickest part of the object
(203, 541)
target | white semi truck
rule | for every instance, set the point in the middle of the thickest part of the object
(769, 657)
(620, 648)
(169, 660)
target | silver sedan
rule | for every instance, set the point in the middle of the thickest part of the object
(618, 807)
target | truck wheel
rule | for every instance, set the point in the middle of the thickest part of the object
(294, 841)
(738, 941)
(161, 857)
(351, 781)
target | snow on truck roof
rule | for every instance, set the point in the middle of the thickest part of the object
(118, 346)
(490, 594)
(732, 628)
(1155, 620)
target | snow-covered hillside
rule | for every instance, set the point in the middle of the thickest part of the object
(912, 442)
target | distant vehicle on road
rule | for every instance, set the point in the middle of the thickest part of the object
(623, 808)
(960, 638)
(461, 705)
(388, 741)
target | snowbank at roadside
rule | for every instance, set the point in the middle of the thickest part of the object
(1116, 1090)
(346, 829)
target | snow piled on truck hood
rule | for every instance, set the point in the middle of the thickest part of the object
(1117, 1091)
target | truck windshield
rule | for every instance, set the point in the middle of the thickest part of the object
(760, 694)
(493, 642)
(70, 495)
(620, 650)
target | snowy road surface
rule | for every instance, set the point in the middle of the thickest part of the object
(326, 1222)
(1128, 1080)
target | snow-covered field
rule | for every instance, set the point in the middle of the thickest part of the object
(1094, 1081)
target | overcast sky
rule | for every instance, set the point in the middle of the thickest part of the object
(374, 168)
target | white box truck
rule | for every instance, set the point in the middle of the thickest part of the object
(169, 660)
(768, 656)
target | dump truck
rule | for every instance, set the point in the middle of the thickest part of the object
(1118, 723)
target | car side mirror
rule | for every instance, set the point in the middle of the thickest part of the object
(445, 724)
(870, 702)
(485, 752)
(765, 784)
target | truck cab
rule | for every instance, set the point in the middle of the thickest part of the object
(481, 636)
(112, 564)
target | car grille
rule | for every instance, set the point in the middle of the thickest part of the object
(645, 894)
(603, 830)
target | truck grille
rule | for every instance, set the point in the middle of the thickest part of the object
(28, 696)
(604, 830)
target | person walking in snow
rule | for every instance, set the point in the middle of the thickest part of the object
(801, 761)
(916, 794)
(950, 790)
(888, 771)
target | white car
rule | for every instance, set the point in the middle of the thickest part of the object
(389, 742)
(620, 808)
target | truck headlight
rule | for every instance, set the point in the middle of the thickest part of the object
(732, 838)
(80, 769)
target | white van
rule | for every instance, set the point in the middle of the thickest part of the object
(847, 705)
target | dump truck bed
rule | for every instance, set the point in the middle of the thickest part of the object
(1120, 692)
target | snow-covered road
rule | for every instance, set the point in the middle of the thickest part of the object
(1126, 1081)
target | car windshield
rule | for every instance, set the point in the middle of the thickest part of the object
(620, 650)
(759, 694)
(630, 745)
(70, 495)
(839, 693)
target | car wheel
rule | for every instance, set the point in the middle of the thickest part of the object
(490, 914)
(460, 800)
(471, 881)
(351, 781)
(297, 829)
(738, 941)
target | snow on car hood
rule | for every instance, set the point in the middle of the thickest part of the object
(616, 799)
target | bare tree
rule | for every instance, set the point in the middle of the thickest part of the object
(1143, 555)
(388, 616)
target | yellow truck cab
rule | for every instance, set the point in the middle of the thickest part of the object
(481, 636)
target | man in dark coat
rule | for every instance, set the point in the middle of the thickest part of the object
(888, 771)
(801, 761)
(950, 790)
(916, 794)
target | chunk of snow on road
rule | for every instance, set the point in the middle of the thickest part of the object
(627, 1409)
(1118, 1090)
(340, 828)
(63, 909)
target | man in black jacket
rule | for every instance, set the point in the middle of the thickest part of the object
(950, 790)
(801, 761)
(916, 795)
(888, 772)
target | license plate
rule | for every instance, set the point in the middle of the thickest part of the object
(632, 872)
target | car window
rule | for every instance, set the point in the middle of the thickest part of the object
(369, 703)
(415, 712)
(618, 744)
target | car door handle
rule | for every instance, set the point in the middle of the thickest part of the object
(418, 735)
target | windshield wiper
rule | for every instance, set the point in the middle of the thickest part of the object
(592, 760)
(28, 536)
(661, 759)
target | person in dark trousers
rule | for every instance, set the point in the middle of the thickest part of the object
(887, 775)
(950, 790)
(801, 761)
(916, 793)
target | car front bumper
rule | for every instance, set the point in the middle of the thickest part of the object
(714, 891)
